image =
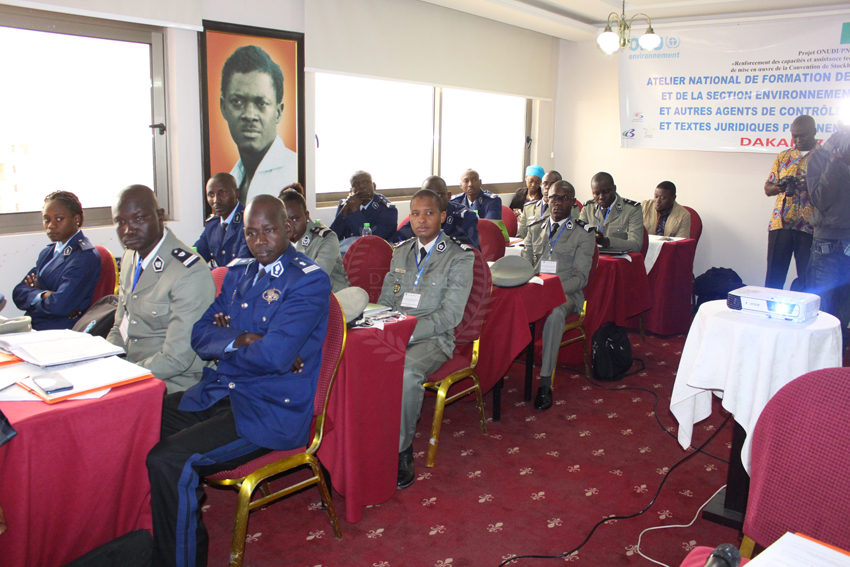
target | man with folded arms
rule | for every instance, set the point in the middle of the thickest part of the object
(164, 288)
(270, 310)
(663, 216)
(560, 245)
(363, 206)
(484, 203)
(430, 278)
(618, 221)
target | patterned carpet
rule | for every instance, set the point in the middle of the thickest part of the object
(536, 484)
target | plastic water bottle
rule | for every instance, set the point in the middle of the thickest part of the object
(366, 230)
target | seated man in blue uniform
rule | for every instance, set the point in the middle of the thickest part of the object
(460, 223)
(487, 205)
(430, 278)
(270, 309)
(223, 239)
(365, 206)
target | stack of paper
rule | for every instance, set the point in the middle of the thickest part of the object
(49, 348)
(794, 550)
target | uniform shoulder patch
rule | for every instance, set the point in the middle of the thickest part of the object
(322, 231)
(587, 227)
(487, 193)
(382, 200)
(538, 221)
(239, 262)
(463, 246)
(403, 242)
(186, 258)
(211, 217)
(630, 202)
(588, 203)
(86, 245)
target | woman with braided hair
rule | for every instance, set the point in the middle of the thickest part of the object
(59, 289)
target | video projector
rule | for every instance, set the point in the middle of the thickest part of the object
(774, 303)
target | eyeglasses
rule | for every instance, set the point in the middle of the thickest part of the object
(562, 198)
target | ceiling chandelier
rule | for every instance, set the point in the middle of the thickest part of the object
(610, 41)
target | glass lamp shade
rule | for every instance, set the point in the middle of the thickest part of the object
(649, 40)
(609, 41)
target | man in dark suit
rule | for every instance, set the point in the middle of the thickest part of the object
(223, 239)
(272, 311)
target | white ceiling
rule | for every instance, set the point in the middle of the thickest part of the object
(579, 20)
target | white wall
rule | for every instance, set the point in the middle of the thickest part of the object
(726, 189)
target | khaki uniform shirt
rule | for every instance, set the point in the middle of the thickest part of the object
(678, 221)
(444, 288)
(623, 227)
(321, 245)
(573, 250)
(172, 293)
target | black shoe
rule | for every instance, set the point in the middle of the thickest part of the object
(406, 475)
(543, 400)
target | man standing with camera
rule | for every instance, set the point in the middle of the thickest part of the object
(790, 231)
(829, 190)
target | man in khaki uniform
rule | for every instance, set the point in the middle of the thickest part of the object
(618, 221)
(561, 245)
(314, 239)
(164, 289)
(430, 278)
(663, 216)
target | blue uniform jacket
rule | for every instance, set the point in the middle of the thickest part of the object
(212, 247)
(381, 215)
(71, 277)
(487, 205)
(272, 406)
(461, 224)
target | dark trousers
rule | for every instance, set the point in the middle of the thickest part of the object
(829, 277)
(193, 445)
(781, 244)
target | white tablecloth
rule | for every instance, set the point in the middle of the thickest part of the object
(654, 249)
(745, 359)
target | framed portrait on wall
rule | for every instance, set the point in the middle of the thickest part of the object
(252, 98)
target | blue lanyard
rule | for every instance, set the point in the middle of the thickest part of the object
(425, 261)
(605, 220)
(560, 232)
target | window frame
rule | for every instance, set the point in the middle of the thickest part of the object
(67, 24)
(397, 194)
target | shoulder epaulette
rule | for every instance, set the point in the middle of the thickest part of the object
(381, 199)
(398, 244)
(85, 244)
(463, 246)
(586, 226)
(538, 221)
(588, 203)
(487, 193)
(239, 262)
(630, 202)
(185, 257)
(321, 231)
(211, 217)
(304, 266)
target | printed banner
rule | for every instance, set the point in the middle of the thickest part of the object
(735, 87)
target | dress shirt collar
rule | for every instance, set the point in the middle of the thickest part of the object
(232, 214)
(58, 247)
(153, 253)
(427, 247)
(363, 207)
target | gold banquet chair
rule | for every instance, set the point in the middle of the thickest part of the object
(578, 324)
(465, 356)
(258, 472)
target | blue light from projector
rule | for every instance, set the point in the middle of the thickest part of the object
(781, 308)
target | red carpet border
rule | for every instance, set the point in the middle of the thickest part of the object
(536, 484)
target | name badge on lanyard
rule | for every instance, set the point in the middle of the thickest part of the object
(124, 328)
(411, 300)
(549, 267)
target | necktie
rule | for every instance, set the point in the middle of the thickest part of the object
(223, 228)
(543, 209)
(137, 274)
(554, 230)
(662, 223)
(422, 254)
(260, 275)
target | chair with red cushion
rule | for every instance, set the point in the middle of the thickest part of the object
(579, 205)
(800, 471)
(492, 240)
(367, 262)
(645, 244)
(461, 365)
(258, 472)
(509, 218)
(218, 278)
(107, 281)
(403, 222)
(577, 323)
(696, 224)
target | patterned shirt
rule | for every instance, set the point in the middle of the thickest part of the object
(791, 211)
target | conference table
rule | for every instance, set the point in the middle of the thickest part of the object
(361, 451)
(744, 359)
(74, 477)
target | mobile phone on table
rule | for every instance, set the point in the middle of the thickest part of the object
(53, 383)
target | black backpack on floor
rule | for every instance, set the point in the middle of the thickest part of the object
(611, 353)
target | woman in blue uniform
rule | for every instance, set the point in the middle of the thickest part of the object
(59, 289)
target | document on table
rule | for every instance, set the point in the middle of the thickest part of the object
(49, 348)
(792, 550)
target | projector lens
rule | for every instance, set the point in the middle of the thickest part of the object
(780, 308)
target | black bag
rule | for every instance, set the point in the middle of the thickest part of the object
(99, 318)
(715, 284)
(133, 549)
(611, 352)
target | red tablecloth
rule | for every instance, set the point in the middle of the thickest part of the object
(670, 284)
(620, 289)
(506, 333)
(74, 477)
(361, 452)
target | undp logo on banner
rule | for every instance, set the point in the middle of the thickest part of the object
(666, 42)
(629, 133)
